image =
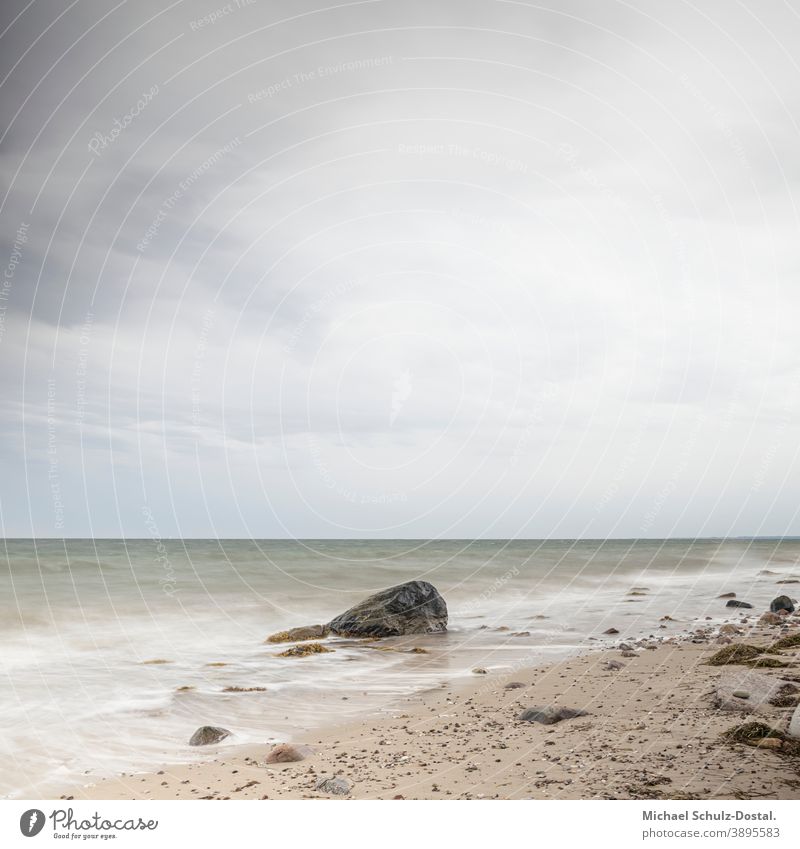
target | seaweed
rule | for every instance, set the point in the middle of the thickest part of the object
(305, 649)
(757, 733)
(737, 653)
(767, 663)
(789, 642)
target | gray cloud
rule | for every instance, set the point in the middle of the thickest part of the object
(399, 268)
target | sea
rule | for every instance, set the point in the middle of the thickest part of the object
(115, 650)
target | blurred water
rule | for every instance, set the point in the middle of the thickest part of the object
(82, 621)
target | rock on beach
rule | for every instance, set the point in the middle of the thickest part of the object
(206, 735)
(411, 608)
(285, 753)
(782, 602)
(334, 784)
(549, 715)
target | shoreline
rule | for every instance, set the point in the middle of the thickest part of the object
(651, 731)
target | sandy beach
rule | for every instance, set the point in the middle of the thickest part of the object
(652, 730)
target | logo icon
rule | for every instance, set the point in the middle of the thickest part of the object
(31, 822)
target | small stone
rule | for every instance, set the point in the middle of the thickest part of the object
(514, 685)
(629, 654)
(734, 603)
(740, 694)
(727, 630)
(727, 595)
(771, 619)
(613, 665)
(782, 602)
(285, 753)
(479, 670)
(611, 631)
(334, 784)
(549, 715)
(206, 735)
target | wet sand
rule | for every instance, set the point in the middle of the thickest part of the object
(651, 732)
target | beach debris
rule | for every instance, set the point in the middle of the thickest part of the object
(156, 661)
(296, 635)
(184, 688)
(613, 665)
(782, 602)
(235, 689)
(771, 619)
(763, 736)
(611, 631)
(334, 784)
(521, 634)
(768, 663)
(736, 653)
(727, 595)
(791, 641)
(305, 649)
(736, 603)
(514, 685)
(788, 696)
(419, 650)
(206, 735)
(788, 581)
(479, 670)
(285, 753)
(549, 715)
(411, 608)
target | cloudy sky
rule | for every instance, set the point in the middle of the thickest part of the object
(391, 268)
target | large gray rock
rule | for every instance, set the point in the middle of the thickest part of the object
(782, 602)
(412, 608)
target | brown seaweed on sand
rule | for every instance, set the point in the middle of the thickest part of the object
(305, 649)
(736, 653)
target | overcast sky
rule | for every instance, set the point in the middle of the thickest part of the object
(400, 269)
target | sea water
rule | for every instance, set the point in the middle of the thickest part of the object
(114, 651)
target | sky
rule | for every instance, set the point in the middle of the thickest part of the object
(393, 268)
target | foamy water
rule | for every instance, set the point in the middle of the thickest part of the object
(83, 622)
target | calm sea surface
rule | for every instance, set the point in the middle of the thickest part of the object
(83, 620)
